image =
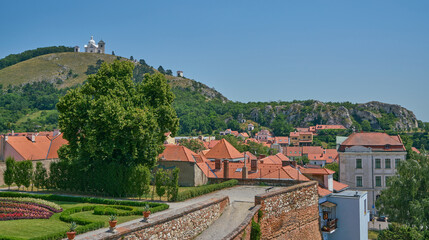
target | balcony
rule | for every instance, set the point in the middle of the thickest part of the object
(330, 225)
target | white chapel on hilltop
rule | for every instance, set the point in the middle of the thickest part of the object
(92, 47)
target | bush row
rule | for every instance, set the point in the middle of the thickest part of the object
(198, 191)
(53, 197)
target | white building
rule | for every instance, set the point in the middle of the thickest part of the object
(367, 160)
(95, 48)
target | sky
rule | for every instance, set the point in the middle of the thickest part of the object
(337, 50)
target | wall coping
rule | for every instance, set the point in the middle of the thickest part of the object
(134, 227)
(238, 230)
(260, 197)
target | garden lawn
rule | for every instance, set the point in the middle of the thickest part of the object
(31, 228)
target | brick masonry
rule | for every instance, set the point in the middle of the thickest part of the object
(185, 223)
(242, 232)
(290, 213)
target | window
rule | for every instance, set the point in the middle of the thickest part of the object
(378, 181)
(359, 163)
(377, 163)
(358, 181)
(387, 181)
(386, 163)
(397, 162)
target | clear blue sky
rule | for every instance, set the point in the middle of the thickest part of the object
(355, 51)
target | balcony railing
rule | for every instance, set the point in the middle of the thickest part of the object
(330, 226)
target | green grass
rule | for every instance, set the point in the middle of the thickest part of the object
(52, 66)
(372, 234)
(34, 115)
(31, 228)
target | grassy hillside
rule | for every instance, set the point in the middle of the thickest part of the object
(67, 68)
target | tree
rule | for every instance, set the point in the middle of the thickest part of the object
(9, 173)
(131, 58)
(194, 145)
(113, 53)
(400, 232)
(141, 181)
(40, 176)
(23, 173)
(366, 126)
(111, 119)
(334, 167)
(161, 70)
(173, 192)
(169, 72)
(160, 182)
(406, 200)
(280, 126)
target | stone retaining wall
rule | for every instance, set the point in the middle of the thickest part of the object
(290, 213)
(263, 182)
(185, 223)
(242, 232)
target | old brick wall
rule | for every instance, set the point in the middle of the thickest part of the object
(290, 213)
(185, 223)
(242, 232)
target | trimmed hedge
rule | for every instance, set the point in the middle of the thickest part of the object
(53, 197)
(198, 191)
(131, 208)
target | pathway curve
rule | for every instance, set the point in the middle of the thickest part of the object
(241, 199)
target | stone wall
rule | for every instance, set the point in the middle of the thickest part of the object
(242, 232)
(184, 223)
(259, 182)
(290, 213)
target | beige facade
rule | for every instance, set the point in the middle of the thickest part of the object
(366, 170)
(190, 174)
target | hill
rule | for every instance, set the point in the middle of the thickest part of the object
(201, 109)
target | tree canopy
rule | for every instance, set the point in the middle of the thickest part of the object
(406, 200)
(112, 123)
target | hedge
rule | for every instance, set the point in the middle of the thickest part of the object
(53, 197)
(198, 191)
(86, 225)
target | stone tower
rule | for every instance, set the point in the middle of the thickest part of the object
(101, 46)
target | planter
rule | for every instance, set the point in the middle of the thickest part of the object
(71, 235)
(113, 223)
(146, 214)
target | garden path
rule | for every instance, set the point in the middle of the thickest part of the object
(241, 199)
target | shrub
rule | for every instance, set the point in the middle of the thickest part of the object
(10, 170)
(198, 191)
(255, 232)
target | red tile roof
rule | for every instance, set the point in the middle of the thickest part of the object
(312, 150)
(294, 134)
(293, 151)
(339, 186)
(316, 171)
(415, 150)
(323, 191)
(223, 150)
(281, 140)
(44, 146)
(324, 127)
(375, 140)
(302, 129)
(183, 154)
(211, 144)
(244, 134)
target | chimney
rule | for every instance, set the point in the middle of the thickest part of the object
(56, 132)
(254, 165)
(244, 172)
(33, 138)
(226, 169)
(218, 163)
(261, 156)
(13, 132)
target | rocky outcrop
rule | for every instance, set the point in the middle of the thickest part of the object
(308, 113)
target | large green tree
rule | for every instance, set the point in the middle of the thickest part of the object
(406, 200)
(113, 122)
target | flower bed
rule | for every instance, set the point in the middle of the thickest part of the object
(26, 208)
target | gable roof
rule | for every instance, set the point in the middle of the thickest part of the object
(177, 153)
(375, 140)
(316, 171)
(56, 143)
(29, 150)
(338, 187)
(223, 150)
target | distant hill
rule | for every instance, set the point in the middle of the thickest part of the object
(69, 68)
(201, 109)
